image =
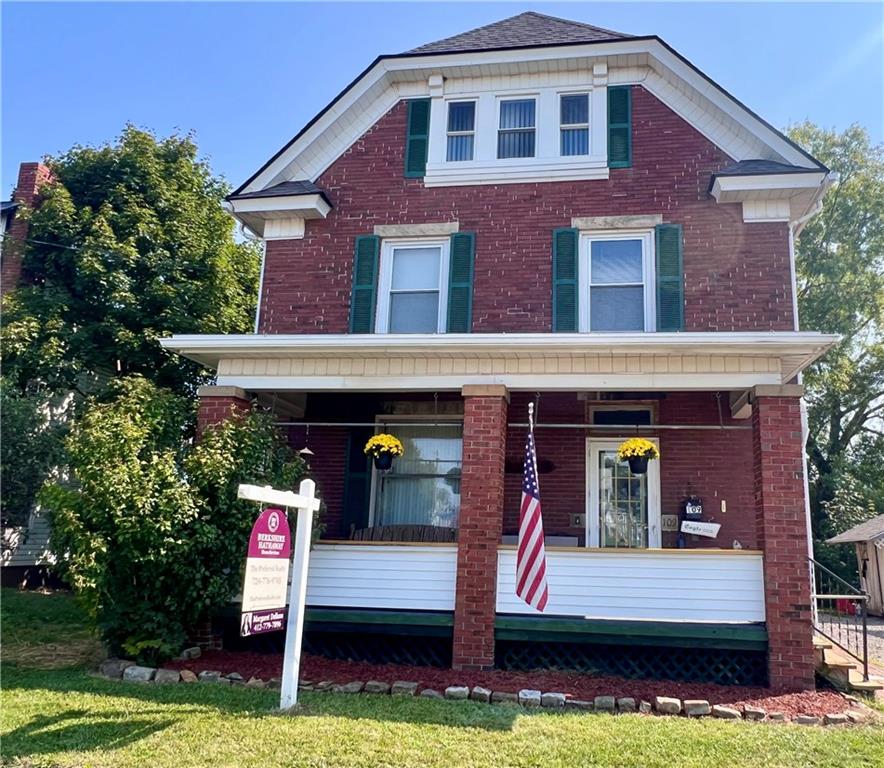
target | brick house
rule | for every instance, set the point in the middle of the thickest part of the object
(540, 211)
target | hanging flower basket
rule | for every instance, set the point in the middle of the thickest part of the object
(638, 452)
(382, 448)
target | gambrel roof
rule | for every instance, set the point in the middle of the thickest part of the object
(527, 30)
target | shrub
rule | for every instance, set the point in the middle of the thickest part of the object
(149, 530)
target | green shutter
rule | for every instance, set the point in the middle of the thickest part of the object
(417, 138)
(357, 481)
(670, 278)
(365, 279)
(564, 267)
(460, 282)
(620, 126)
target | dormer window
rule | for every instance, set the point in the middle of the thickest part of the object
(516, 135)
(574, 124)
(461, 130)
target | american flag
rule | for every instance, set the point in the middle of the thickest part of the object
(531, 558)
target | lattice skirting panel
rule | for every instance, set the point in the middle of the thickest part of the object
(380, 648)
(709, 665)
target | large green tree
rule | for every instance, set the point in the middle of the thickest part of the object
(840, 261)
(129, 244)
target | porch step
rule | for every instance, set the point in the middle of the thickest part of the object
(844, 672)
(820, 643)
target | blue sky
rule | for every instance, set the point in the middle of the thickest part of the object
(246, 77)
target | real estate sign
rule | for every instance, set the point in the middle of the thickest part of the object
(267, 574)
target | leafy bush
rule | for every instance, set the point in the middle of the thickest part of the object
(152, 535)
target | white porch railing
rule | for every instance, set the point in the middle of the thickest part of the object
(404, 576)
(662, 585)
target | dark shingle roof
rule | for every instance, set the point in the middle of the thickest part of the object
(8, 205)
(523, 31)
(871, 529)
(762, 167)
(285, 189)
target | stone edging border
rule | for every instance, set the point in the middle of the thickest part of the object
(120, 669)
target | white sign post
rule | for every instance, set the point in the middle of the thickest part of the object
(306, 503)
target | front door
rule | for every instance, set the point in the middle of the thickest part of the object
(623, 509)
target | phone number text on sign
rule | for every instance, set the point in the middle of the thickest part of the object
(267, 572)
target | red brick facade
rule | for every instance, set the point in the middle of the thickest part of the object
(736, 274)
(782, 533)
(481, 516)
(31, 176)
(217, 404)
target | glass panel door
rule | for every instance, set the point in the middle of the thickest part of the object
(624, 509)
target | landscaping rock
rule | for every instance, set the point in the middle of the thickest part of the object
(754, 713)
(167, 676)
(191, 653)
(136, 674)
(604, 703)
(626, 704)
(323, 685)
(208, 676)
(725, 713)
(644, 707)
(806, 720)
(375, 686)
(529, 697)
(839, 718)
(552, 700)
(579, 704)
(503, 697)
(480, 694)
(457, 692)
(256, 682)
(187, 676)
(697, 708)
(235, 678)
(776, 717)
(354, 687)
(429, 693)
(856, 717)
(114, 668)
(403, 688)
(305, 685)
(667, 706)
(274, 683)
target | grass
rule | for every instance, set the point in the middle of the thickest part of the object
(68, 717)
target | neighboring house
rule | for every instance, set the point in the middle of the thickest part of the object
(868, 540)
(540, 210)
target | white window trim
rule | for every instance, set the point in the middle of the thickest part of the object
(433, 419)
(576, 126)
(648, 275)
(655, 538)
(472, 133)
(501, 100)
(385, 279)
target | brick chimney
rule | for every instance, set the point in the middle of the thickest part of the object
(31, 176)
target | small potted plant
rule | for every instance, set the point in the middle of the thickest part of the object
(382, 448)
(638, 451)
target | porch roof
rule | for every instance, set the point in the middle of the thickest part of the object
(520, 361)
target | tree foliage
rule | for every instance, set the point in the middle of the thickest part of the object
(151, 533)
(840, 262)
(129, 244)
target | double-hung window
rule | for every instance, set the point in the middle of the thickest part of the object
(516, 134)
(617, 282)
(412, 285)
(574, 124)
(423, 488)
(461, 132)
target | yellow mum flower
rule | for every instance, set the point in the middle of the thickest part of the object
(637, 446)
(383, 443)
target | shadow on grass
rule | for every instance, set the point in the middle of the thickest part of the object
(183, 699)
(79, 730)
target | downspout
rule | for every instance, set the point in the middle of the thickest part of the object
(248, 235)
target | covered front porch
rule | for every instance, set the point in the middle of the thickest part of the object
(427, 548)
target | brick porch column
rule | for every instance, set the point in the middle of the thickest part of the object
(480, 525)
(217, 404)
(782, 533)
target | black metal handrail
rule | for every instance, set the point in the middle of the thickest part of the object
(840, 613)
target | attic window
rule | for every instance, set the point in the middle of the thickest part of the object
(574, 124)
(516, 135)
(461, 130)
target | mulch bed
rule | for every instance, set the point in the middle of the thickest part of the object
(574, 685)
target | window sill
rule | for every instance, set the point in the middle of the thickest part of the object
(507, 172)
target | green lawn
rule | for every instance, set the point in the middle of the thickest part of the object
(69, 718)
